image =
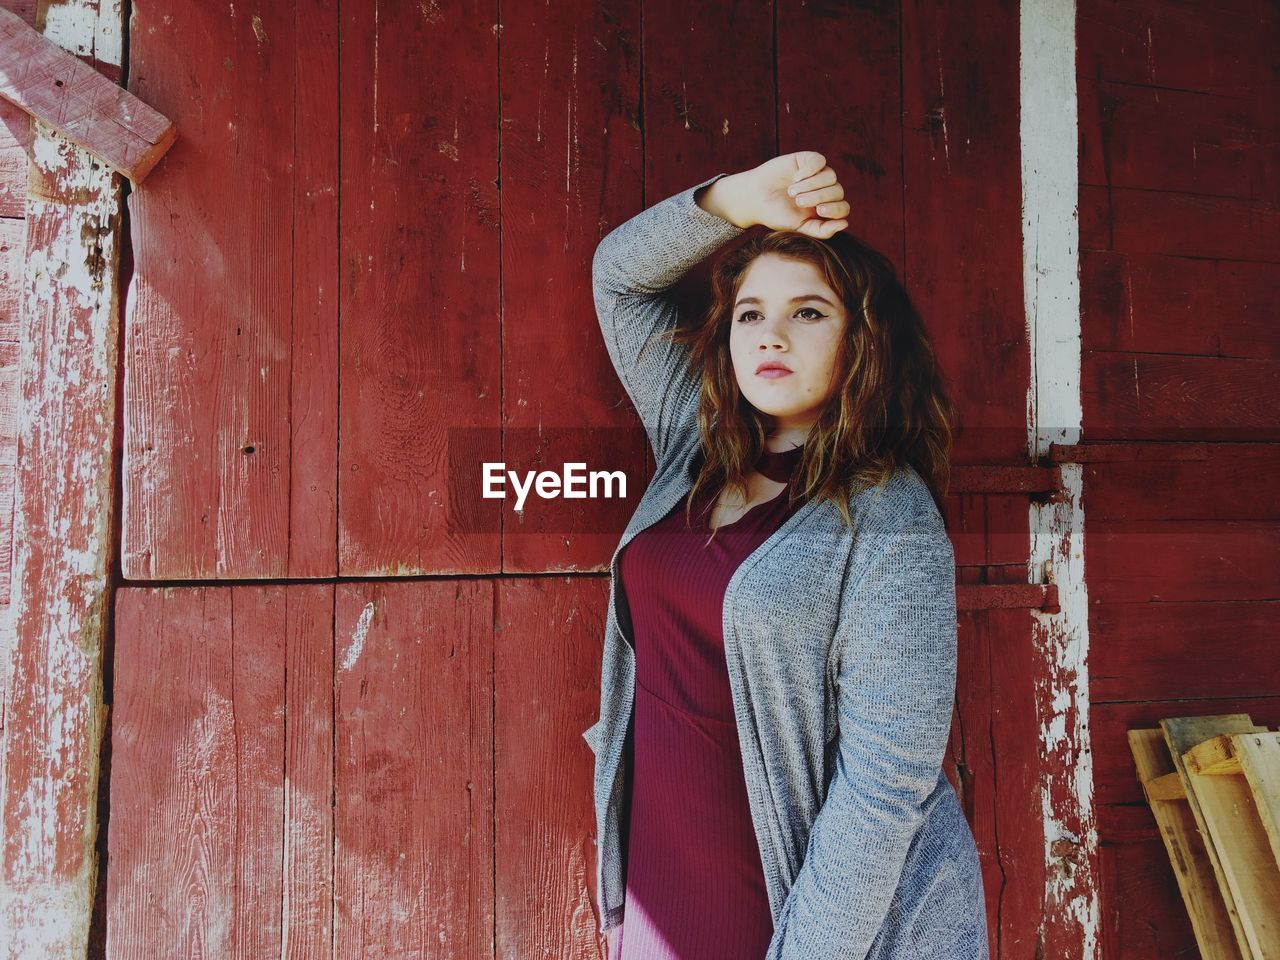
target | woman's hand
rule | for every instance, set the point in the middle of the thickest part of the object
(796, 191)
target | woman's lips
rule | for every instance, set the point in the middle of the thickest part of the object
(773, 373)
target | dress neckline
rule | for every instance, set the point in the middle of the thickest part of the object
(779, 465)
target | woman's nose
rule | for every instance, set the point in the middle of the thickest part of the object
(772, 337)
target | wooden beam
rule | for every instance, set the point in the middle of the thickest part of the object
(1002, 478)
(1259, 757)
(1213, 757)
(1188, 854)
(63, 506)
(1166, 787)
(1006, 596)
(71, 97)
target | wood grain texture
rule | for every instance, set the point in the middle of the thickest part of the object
(1182, 649)
(1258, 755)
(1179, 224)
(306, 909)
(210, 335)
(413, 790)
(1116, 784)
(1188, 489)
(15, 141)
(1145, 396)
(963, 263)
(1179, 44)
(572, 170)
(1247, 875)
(1143, 915)
(419, 283)
(547, 649)
(1179, 141)
(315, 280)
(1150, 303)
(1191, 560)
(198, 776)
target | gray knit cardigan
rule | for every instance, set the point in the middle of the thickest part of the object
(841, 656)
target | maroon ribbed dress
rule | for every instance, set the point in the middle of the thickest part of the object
(695, 885)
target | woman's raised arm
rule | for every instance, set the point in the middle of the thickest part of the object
(632, 272)
(639, 261)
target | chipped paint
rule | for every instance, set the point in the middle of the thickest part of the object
(358, 636)
(1049, 133)
(62, 542)
(87, 29)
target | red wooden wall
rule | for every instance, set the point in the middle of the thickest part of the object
(350, 273)
(1180, 271)
(346, 692)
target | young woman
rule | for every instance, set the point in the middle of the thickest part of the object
(780, 652)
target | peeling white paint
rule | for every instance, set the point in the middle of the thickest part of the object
(87, 29)
(1049, 135)
(358, 636)
(61, 534)
(48, 149)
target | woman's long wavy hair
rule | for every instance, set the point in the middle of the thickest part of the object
(890, 406)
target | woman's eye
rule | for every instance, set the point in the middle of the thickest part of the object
(746, 314)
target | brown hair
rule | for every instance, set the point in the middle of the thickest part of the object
(889, 406)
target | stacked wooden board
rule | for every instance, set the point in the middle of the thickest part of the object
(1213, 783)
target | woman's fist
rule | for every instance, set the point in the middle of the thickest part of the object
(798, 191)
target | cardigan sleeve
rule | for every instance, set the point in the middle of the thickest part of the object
(632, 271)
(895, 691)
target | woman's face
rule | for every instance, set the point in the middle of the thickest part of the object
(785, 314)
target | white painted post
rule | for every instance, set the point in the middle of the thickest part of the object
(1049, 134)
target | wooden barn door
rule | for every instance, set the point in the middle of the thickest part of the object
(347, 691)
(1180, 269)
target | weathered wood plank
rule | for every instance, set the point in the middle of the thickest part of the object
(1178, 44)
(63, 508)
(1144, 396)
(307, 908)
(1188, 856)
(210, 335)
(571, 165)
(1196, 648)
(313, 365)
(15, 141)
(413, 816)
(1148, 303)
(83, 106)
(1258, 755)
(1114, 781)
(197, 771)
(1179, 224)
(1248, 877)
(1144, 917)
(1191, 489)
(544, 849)
(419, 281)
(1177, 140)
(1183, 560)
